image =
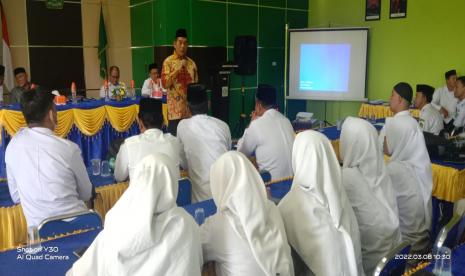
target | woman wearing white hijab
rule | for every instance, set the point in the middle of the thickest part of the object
(246, 236)
(145, 232)
(410, 170)
(320, 223)
(369, 190)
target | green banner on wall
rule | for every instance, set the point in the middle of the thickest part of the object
(54, 4)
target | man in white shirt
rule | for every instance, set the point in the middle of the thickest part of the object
(444, 100)
(270, 135)
(410, 170)
(430, 119)
(153, 82)
(45, 172)
(459, 121)
(204, 140)
(113, 82)
(151, 140)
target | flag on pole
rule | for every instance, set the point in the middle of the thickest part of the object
(8, 80)
(102, 46)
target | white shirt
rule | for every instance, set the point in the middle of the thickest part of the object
(369, 190)
(442, 97)
(148, 87)
(111, 87)
(459, 120)
(320, 223)
(271, 137)
(46, 174)
(204, 139)
(145, 232)
(431, 120)
(137, 147)
(411, 174)
(246, 236)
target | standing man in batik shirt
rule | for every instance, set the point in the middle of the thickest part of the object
(177, 73)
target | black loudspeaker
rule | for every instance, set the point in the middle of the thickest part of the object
(245, 55)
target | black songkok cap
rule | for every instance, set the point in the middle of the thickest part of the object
(404, 90)
(19, 70)
(181, 33)
(149, 105)
(450, 73)
(152, 66)
(266, 94)
(196, 93)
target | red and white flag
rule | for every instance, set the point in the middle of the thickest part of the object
(6, 53)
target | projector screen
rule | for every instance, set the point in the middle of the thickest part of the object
(328, 64)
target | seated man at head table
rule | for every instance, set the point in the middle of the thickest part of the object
(270, 135)
(151, 140)
(459, 120)
(445, 101)
(430, 119)
(23, 84)
(410, 170)
(46, 173)
(153, 83)
(204, 139)
(113, 82)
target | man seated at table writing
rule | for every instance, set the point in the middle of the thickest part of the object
(22, 85)
(204, 139)
(45, 173)
(151, 140)
(270, 135)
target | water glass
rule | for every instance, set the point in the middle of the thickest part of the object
(442, 264)
(339, 124)
(373, 118)
(33, 240)
(199, 216)
(105, 171)
(95, 166)
(322, 124)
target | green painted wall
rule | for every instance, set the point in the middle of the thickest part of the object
(417, 49)
(217, 23)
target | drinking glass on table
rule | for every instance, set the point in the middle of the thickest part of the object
(95, 166)
(442, 261)
(105, 171)
(339, 124)
(199, 216)
(34, 245)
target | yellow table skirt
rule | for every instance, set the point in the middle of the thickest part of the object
(381, 111)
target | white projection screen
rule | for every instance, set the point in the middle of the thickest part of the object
(328, 64)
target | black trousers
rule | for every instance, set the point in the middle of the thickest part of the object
(173, 126)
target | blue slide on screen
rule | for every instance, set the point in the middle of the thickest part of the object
(324, 67)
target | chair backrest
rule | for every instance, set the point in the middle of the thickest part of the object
(69, 223)
(451, 233)
(389, 265)
(185, 191)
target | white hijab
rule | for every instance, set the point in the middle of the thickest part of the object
(406, 144)
(239, 192)
(145, 231)
(360, 151)
(367, 184)
(320, 223)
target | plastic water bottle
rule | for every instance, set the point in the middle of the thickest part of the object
(107, 96)
(133, 90)
(73, 92)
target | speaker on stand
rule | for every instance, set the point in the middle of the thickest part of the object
(245, 57)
